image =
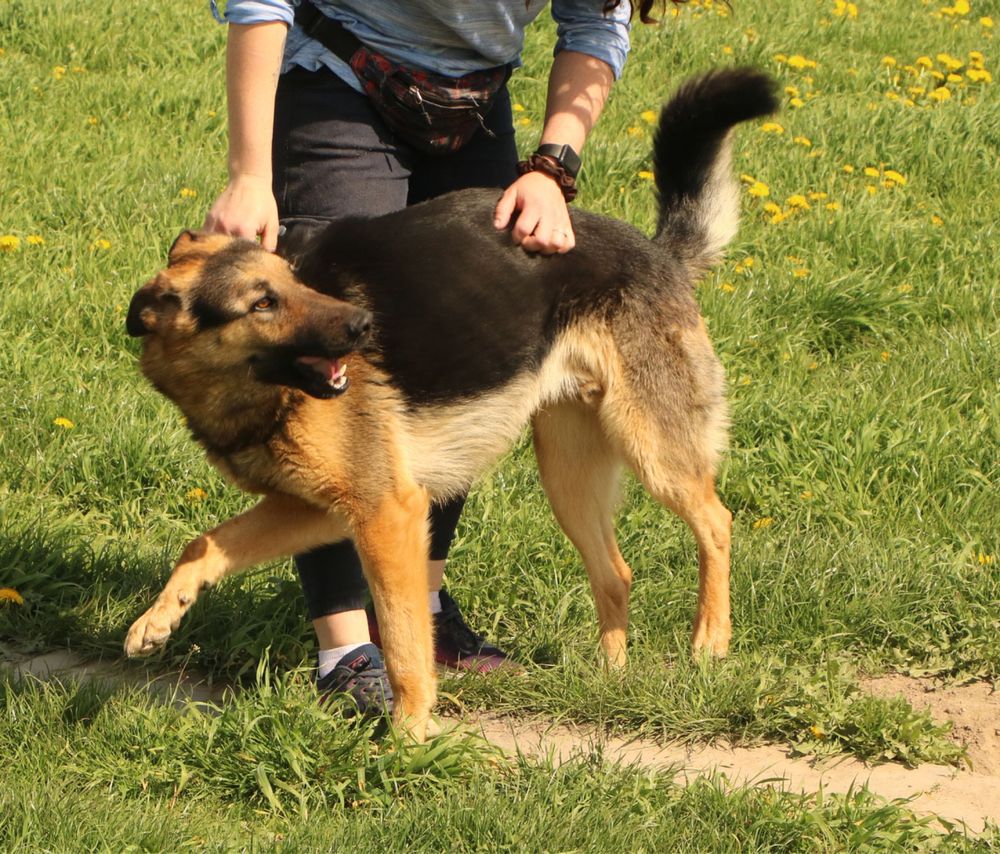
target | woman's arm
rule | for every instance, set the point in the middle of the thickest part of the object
(578, 87)
(246, 207)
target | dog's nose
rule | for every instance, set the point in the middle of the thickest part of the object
(359, 327)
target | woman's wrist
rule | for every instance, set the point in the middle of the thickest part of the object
(552, 167)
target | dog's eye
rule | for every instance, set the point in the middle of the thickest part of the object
(265, 304)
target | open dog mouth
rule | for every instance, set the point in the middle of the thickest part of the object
(330, 373)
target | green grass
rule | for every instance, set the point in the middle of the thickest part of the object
(861, 346)
(267, 771)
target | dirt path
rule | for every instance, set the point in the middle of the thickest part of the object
(971, 796)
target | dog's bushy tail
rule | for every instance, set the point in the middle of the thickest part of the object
(699, 198)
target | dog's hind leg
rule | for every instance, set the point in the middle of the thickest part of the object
(278, 526)
(680, 476)
(580, 473)
(392, 541)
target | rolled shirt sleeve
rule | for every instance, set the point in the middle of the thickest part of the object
(582, 27)
(253, 11)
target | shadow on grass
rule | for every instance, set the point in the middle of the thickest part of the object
(82, 593)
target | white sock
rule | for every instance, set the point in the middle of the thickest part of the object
(330, 658)
(435, 599)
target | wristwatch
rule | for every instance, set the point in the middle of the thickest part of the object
(564, 155)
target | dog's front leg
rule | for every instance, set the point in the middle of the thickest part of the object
(392, 542)
(278, 526)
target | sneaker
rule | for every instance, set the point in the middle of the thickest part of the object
(361, 674)
(456, 645)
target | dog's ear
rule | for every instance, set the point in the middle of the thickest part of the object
(149, 304)
(188, 242)
(295, 240)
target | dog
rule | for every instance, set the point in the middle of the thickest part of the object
(404, 354)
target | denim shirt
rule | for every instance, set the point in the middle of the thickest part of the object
(449, 37)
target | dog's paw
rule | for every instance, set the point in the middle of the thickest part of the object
(712, 640)
(149, 632)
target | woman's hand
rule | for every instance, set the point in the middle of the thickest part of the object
(542, 223)
(246, 208)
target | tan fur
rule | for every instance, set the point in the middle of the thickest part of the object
(630, 389)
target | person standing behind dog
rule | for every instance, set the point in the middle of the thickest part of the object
(315, 134)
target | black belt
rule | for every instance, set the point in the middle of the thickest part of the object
(333, 35)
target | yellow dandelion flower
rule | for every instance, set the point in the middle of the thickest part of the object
(938, 75)
(728, 287)
(871, 189)
(797, 201)
(817, 196)
(802, 140)
(747, 179)
(792, 91)
(772, 127)
(985, 559)
(892, 96)
(9, 243)
(833, 206)
(948, 61)
(890, 61)
(954, 78)
(986, 22)
(780, 57)
(936, 220)
(871, 172)
(517, 108)
(524, 121)
(806, 494)
(979, 75)
(799, 62)
(816, 731)
(885, 355)
(798, 103)
(923, 62)
(976, 57)
(727, 50)
(212, 114)
(764, 522)
(102, 244)
(848, 168)
(917, 91)
(9, 594)
(196, 494)
(188, 193)
(893, 176)
(92, 120)
(800, 272)
(646, 175)
(65, 423)
(942, 93)
(648, 116)
(59, 72)
(634, 130)
(35, 240)
(778, 218)
(759, 190)
(772, 208)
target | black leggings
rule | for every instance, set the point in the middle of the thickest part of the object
(333, 157)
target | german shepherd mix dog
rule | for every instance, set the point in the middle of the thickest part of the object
(403, 355)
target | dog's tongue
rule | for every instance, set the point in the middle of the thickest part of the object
(327, 368)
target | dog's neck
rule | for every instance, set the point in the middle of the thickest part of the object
(222, 422)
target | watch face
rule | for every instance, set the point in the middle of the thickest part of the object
(564, 155)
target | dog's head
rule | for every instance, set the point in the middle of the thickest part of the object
(225, 303)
